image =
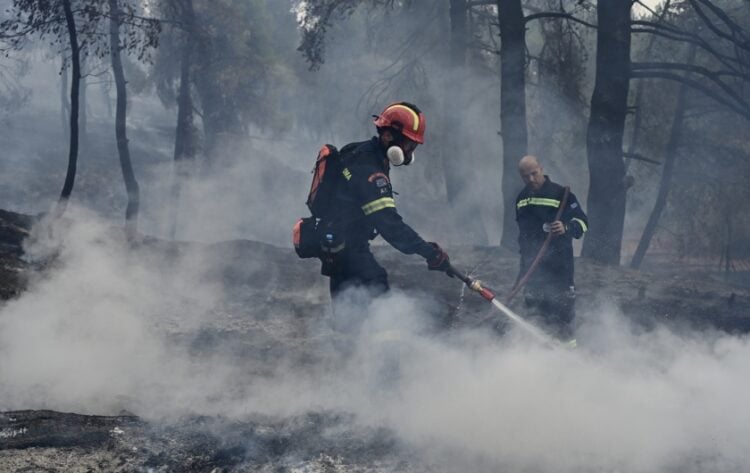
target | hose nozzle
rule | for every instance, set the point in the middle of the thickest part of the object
(473, 284)
(476, 285)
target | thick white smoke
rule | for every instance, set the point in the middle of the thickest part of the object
(100, 333)
(90, 336)
(624, 401)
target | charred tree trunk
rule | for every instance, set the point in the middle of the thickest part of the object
(666, 174)
(606, 200)
(512, 109)
(131, 185)
(222, 122)
(75, 54)
(185, 141)
(637, 119)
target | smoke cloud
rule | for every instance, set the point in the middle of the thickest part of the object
(110, 328)
(159, 331)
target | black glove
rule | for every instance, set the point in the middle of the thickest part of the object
(439, 262)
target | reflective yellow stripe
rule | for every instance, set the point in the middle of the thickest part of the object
(415, 126)
(380, 204)
(582, 224)
(347, 173)
(538, 201)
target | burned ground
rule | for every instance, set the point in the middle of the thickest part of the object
(270, 309)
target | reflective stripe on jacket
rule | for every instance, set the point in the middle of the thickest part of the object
(365, 203)
(533, 210)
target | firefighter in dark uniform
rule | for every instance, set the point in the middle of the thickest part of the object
(365, 206)
(550, 292)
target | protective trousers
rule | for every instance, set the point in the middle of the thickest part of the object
(357, 279)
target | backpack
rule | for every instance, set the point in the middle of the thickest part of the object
(305, 234)
(325, 176)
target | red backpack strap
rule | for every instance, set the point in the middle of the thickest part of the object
(318, 173)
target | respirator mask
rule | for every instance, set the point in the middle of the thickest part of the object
(401, 154)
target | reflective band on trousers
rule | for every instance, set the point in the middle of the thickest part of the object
(380, 204)
(582, 224)
(537, 201)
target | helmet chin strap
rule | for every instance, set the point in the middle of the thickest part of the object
(397, 157)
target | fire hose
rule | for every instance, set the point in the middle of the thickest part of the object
(542, 251)
(477, 286)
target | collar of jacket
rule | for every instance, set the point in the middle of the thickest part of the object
(542, 189)
(382, 153)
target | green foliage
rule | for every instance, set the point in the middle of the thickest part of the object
(316, 17)
(237, 73)
(45, 19)
(236, 63)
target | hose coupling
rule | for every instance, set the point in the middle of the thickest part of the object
(476, 285)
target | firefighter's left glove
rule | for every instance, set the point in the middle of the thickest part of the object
(440, 261)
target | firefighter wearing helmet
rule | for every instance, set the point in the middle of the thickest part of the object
(365, 206)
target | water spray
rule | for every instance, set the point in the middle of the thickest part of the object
(477, 286)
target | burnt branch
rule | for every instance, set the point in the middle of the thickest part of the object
(675, 34)
(694, 84)
(737, 31)
(640, 157)
(567, 16)
(713, 76)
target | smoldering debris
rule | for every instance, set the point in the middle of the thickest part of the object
(310, 442)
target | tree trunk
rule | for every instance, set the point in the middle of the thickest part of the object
(637, 118)
(75, 58)
(606, 200)
(220, 120)
(131, 185)
(666, 174)
(185, 141)
(512, 109)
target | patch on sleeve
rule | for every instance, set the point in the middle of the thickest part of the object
(379, 178)
(381, 181)
(574, 205)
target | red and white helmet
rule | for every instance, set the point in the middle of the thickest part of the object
(405, 118)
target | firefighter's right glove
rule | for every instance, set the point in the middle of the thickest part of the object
(439, 262)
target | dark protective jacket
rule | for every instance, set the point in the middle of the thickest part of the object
(533, 210)
(365, 207)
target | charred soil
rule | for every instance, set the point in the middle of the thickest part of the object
(271, 298)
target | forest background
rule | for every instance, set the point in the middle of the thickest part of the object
(217, 108)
